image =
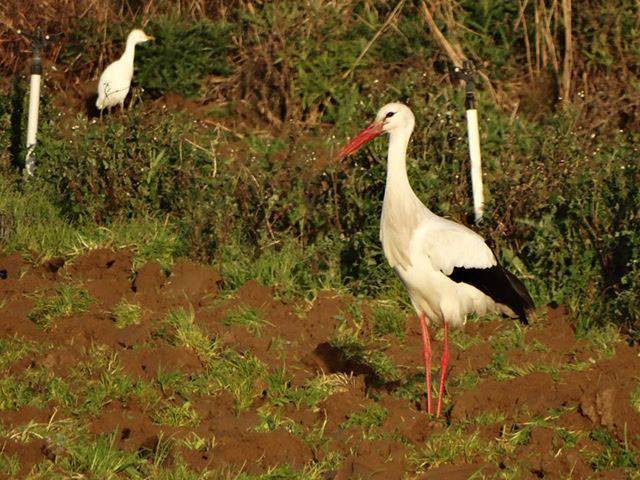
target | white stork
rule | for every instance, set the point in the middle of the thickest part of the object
(448, 270)
(115, 81)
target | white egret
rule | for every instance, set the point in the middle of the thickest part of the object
(115, 81)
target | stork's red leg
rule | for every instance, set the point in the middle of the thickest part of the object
(444, 364)
(426, 355)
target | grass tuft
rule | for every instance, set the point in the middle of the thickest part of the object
(69, 299)
(247, 317)
(388, 320)
(186, 333)
(9, 465)
(125, 314)
(176, 415)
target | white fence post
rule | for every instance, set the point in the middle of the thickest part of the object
(473, 131)
(38, 42)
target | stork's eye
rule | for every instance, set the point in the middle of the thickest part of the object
(389, 114)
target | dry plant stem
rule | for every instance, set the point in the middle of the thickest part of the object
(440, 38)
(525, 34)
(536, 16)
(568, 52)
(547, 36)
(457, 58)
(380, 31)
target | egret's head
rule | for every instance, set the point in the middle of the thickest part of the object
(138, 36)
(390, 118)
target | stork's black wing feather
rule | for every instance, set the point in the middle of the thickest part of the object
(499, 284)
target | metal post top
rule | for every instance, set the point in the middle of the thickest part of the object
(466, 73)
(38, 41)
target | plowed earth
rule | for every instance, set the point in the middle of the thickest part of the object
(534, 402)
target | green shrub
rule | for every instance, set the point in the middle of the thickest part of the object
(183, 55)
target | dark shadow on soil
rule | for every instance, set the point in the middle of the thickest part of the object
(335, 361)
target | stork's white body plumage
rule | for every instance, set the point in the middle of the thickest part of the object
(115, 81)
(431, 291)
(449, 271)
(424, 248)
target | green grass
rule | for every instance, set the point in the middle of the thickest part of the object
(9, 465)
(68, 300)
(238, 374)
(449, 446)
(176, 415)
(125, 314)
(635, 397)
(353, 348)
(367, 418)
(614, 454)
(186, 333)
(38, 225)
(13, 349)
(603, 339)
(247, 317)
(389, 320)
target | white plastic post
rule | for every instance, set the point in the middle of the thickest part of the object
(476, 163)
(32, 123)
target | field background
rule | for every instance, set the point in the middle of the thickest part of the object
(225, 156)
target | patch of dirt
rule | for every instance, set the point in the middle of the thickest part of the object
(132, 427)
(461, 472)
(375, 460)
(28, 454)
(145, 362)
(149, 279)
(255, 452)
(60, 361)
(104, 273)
(12, 267)
(195, 283)
(531, 394)
(26, 414)
(339, 406)
(471, 359)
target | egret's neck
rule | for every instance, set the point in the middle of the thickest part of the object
(129, 52)
(397, 179)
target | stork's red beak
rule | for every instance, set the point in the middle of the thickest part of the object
(365, 136)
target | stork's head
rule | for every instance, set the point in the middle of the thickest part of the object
(391, 118)
(138, 36)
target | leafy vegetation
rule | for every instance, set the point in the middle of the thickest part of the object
(183, 55)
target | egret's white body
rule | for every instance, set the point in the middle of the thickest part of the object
(115, 81)
(448, 270)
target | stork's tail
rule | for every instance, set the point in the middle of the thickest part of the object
(524, 303)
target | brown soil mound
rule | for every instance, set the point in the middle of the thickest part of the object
(579, 389)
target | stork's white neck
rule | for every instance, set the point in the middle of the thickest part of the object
(397, 179)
